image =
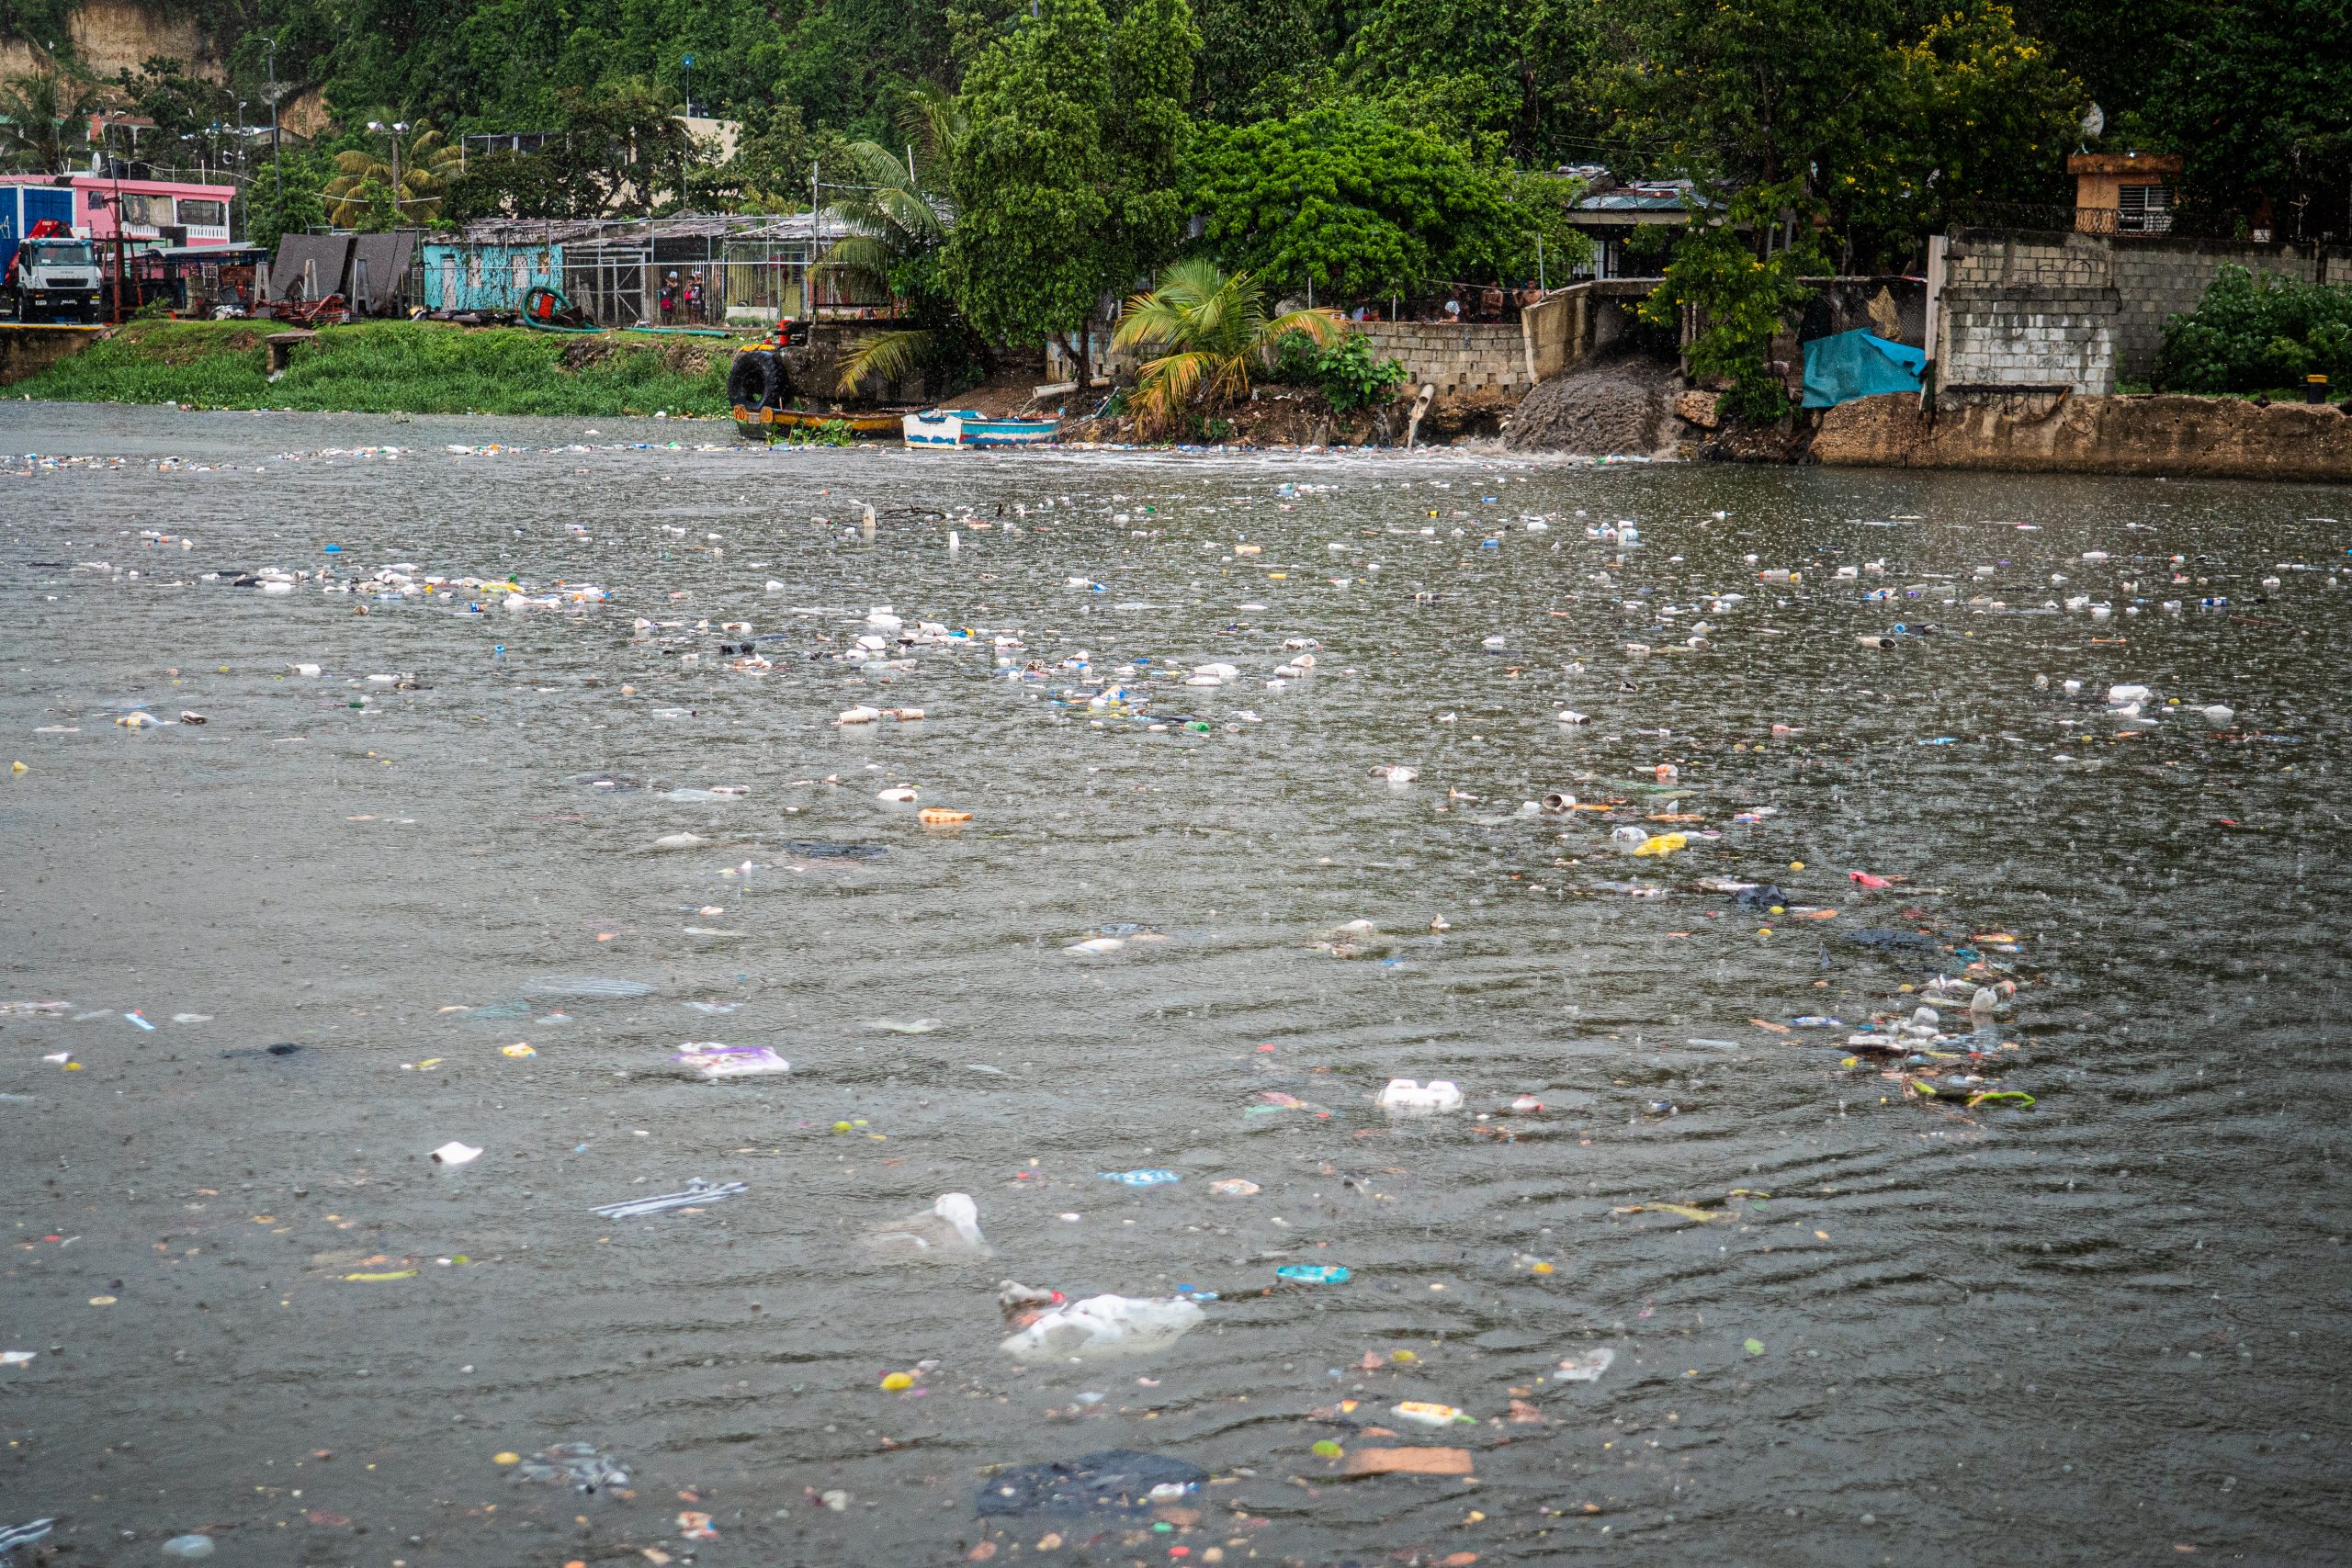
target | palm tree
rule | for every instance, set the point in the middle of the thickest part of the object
(1211, 329)
(897, 225)
(365, 190)
(41, 109)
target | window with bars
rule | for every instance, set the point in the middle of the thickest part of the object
(2143, 210)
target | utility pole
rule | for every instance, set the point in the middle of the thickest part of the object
(276, 165)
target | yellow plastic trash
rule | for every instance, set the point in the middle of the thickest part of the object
(1663, 844)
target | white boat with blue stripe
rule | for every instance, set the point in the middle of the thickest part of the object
(969, 427)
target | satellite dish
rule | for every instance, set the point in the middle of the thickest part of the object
(2094, 121)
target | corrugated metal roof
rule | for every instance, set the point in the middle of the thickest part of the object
(1643, 195)
(579, 233)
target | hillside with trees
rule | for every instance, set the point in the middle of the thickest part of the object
(1065, 150)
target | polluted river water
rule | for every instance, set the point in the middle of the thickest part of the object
(471, 870)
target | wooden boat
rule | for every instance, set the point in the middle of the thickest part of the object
(771, 425)
(969, 427)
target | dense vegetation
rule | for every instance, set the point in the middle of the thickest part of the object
(392, 368)
(1890, 113)
(1352, 150)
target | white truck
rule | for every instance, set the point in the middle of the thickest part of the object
(54, 278)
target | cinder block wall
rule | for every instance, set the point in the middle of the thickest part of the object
(2030, 309)
(2168, 278)
(2086, 311)
(1454, 359)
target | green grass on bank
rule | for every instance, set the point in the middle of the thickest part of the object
(394, 367)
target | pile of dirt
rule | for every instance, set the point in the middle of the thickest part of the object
(694, 355)
(579, 353)
(1621, 406)
(1012, 394)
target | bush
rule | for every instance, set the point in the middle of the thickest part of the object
(1345, 373)
(2250, 334)
(1744, 302)
(832, 432)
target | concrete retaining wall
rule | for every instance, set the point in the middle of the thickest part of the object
(27, 351)
(2175, 436)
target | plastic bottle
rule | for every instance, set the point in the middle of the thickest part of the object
(1103, 1326)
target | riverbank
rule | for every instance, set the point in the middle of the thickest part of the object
(393, 367)
(2148, 434)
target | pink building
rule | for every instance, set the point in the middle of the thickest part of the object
(162, 212)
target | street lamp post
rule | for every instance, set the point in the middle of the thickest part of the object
(244, 174)
(396, 130)
(690, 85)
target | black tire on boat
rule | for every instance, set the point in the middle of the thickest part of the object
(755, 380)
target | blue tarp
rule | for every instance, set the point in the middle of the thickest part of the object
(1847, 366)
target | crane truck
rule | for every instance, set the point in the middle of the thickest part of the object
(53, 277)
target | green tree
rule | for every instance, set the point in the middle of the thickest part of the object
(284, 200)
(1500, 71)
(1145, 134)
(43, 111)
(1538, 237)
(1888, 129)
(1252, 52)
(507, 184)
(1065, 178)
(1362, 207)
(2122, 60)
(617, 149)
(2260, 103)
(179, 103)
(1743, 299)
(1973, 112)
(1025, 261)
(1759, 91)
(1210, 331)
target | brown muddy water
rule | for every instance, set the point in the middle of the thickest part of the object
(1884, 1326)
